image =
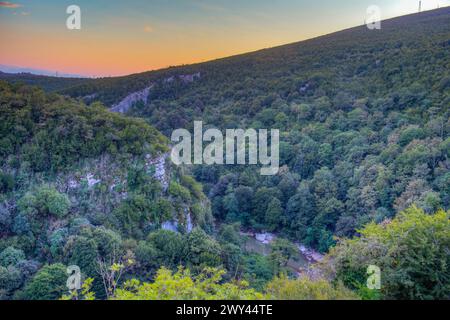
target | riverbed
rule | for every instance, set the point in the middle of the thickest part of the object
(297, 264)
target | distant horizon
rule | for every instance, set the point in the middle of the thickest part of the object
(73, 69)
(38, 72)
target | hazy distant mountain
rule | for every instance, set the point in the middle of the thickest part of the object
(15, 69)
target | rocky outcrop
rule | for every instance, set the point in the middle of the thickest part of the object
(267, 238)
(89, 98)
(126, 103)
(188, 78)
(310, 254)
(170, 225)
(142, 95)
(174, 225)
(185, 78)
(159, 165)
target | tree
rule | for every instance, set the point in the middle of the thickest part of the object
(170, 247)
(260, 202)
(6, 182)
(273, 214)
(181, 285)
(11, 257)
(201, 250)
(46, 200)
(282, 288)
(300, 211)
(10, 280)
(48, 284)
(281, 251)
(411, 251)
(112, 269)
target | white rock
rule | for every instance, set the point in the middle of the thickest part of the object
(91, 180)
(170, 225)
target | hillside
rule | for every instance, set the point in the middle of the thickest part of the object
(76, 181)
(50, 84)
(364, 119)
(364, 116)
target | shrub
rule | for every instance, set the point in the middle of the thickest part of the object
(48, 284)
(11, 256)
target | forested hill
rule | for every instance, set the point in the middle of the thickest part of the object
(49, 83)
(365, 145)
(347, 55)
(364, 116)
(76, 181)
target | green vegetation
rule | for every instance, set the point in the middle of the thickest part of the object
(78, 186)
(365, 146)
(48, 284)
(364, 117)
(181, 286)
(412, 252)
(207, 286)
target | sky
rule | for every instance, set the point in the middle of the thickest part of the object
(120, 37)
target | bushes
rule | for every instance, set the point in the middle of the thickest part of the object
(194, 187)
(10, 280)
(412, 252)
(45, 200)
(183, 286)
(179, 192)
(132, 214)
(7, 182)
(208, 285)
(48, 284)
(54, 133)
(11, 256)
(202, 250)
(304, 289)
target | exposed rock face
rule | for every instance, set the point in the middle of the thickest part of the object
(161, 175)
(189, 224)
(91, 181)
(310, 254)
(173, 225)
(265, 238)
(160, 169)
(89, 98)
(170, 225)
(190, 77)
(125, 105)
(142, 95)
(186, 78)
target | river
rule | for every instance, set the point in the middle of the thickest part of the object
(299, 263)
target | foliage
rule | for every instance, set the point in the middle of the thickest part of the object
(364, 123)
(46, 200)
(48, 284)
(283, 288)
(11, 257)
(183, 286)
(412, 252)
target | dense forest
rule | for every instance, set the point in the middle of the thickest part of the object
(365, 144)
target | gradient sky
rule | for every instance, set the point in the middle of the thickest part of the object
(123, 37)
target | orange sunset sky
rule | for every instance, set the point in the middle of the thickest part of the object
(123, 37)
